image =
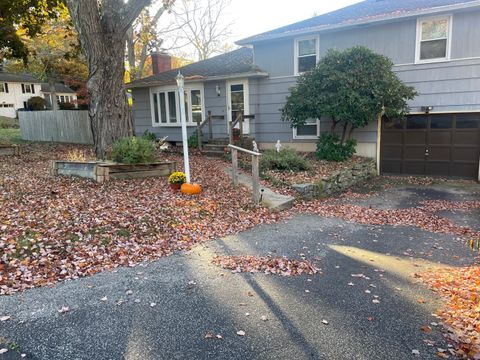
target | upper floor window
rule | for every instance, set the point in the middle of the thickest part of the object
(306, 54)
(28, 89)
(433, 39)
(4, 87)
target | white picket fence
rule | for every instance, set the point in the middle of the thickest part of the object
(64, 126)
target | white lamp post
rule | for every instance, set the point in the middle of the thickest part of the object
(181, 97)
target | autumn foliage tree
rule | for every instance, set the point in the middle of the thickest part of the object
(102, 26)
(31, 15)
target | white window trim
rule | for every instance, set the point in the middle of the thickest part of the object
(2, 89)
(295, 45)
(449, 18)
(307, 137)
(188, 88)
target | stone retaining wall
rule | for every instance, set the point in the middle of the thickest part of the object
(338, 181)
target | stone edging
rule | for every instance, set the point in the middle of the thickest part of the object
(338, 181)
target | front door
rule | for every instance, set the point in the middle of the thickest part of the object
(237, 102)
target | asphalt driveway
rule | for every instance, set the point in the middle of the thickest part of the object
(175, 308)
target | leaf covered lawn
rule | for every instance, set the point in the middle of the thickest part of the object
(60, 228)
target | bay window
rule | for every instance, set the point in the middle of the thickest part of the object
(166, 106)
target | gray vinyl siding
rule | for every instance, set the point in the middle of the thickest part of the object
(271, 95)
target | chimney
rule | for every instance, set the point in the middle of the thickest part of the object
(161, 62)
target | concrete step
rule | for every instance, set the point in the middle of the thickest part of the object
(213, 153)
(270, 199)
(219, 141)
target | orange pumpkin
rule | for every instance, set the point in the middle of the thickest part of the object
(191, 189)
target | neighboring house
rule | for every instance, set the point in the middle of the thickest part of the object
(16, 89)
(433, 44)
(64, 94)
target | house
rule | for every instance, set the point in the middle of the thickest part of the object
(433, 44)
(16, 89)
(63, 93)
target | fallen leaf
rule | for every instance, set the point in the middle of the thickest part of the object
(241, 333)
(426, 329)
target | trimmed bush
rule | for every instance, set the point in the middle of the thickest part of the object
(193, 140)
(66, 106)
(330, 148)
(147, 135)
(36, 103)
(133, 150)
(285, 160)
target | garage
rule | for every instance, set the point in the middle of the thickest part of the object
(432, 144)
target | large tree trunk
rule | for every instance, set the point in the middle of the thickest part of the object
(109, 110)
(102, 30)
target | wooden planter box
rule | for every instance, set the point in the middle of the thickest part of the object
(9, 150)
(101, 172)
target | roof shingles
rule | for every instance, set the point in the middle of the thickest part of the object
(365, 11)
(239, 61)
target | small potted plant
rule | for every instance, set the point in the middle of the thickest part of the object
(176, 180)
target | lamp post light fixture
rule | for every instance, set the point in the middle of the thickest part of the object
(183, 120)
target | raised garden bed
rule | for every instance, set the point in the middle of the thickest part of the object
(103, 171)
(9, 150)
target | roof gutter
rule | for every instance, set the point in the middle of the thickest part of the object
(198, 79)
(431, 11)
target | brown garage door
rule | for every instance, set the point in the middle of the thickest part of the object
(441, 144)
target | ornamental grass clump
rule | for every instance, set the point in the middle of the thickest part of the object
(177, 178)
(133, 150)
(284, 160)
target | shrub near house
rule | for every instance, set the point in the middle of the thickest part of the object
(352, 88)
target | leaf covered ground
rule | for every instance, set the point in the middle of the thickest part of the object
(60, 228)
(460, 287)
(267, 265)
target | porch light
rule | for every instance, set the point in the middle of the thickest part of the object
(427, 109)
(183, 120)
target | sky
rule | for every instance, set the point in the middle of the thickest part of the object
(256, 16)
(251, 17)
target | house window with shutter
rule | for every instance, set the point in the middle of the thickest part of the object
(433, 39)
(2, 87)
(26, 88)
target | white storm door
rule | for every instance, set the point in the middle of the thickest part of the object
(237, 102)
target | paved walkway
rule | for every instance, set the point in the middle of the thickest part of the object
(175, 301)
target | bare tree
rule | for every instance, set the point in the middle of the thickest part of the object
(143, 36)
(202, 24)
